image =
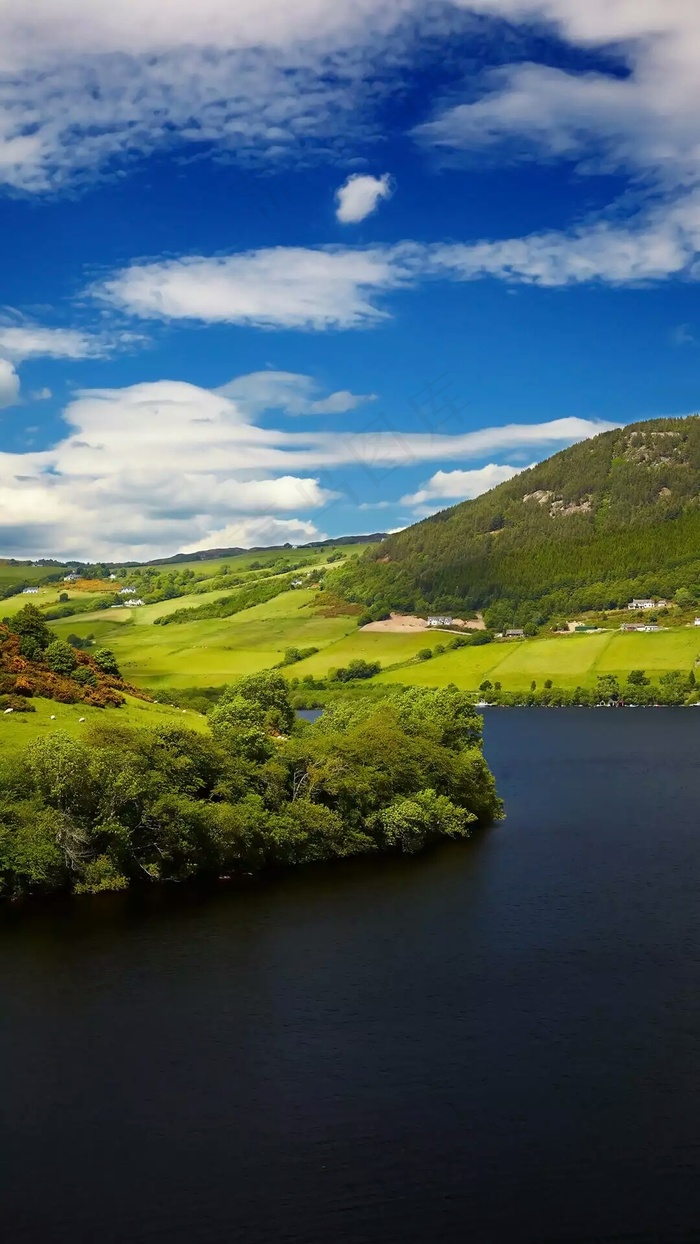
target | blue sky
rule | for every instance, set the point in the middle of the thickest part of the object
(274, 272)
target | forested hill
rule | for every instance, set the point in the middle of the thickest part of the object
(608, 519)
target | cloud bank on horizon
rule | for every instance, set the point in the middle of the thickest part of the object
(213, 185)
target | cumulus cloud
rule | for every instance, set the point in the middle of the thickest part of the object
(461, 485)
(151, 468)
(361, 195)
(280, 287)
(291, 393)
(253, 532)
(9, 383)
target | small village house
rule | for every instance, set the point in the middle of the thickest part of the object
(516, 633)
(647, 604)
(29, 591)
(131, 604)
(440, 620)
(127, 591)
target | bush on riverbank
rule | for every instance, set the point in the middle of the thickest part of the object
(134, 806)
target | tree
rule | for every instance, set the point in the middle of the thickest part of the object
(106, 661)
(29, 623)
(60, 658)
(547, 684)
(637, 678)
(424, 654)
(533, 685)
(684, 598)
(410, 823)
(64, 597)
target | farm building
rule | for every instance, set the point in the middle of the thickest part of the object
(127, 591)
(647, 604)
(517, 633)
(440, 620)
(29, 591)
(131, 604)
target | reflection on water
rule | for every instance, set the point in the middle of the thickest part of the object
(496, 1041)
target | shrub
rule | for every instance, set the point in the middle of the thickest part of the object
(60, 658)
(105, 660)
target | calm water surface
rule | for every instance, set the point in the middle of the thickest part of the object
(496, 1042)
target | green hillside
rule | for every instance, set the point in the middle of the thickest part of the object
(614, 517)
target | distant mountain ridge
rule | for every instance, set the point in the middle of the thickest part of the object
(610, 518)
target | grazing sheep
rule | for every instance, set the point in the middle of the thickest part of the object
(81, 719)
(52, 717)
(9, 710)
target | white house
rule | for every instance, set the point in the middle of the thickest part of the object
(696, 622)
(112, 578)
(70, 578)
(647, 604)
(297, 582)
(440, 620)
(29, 591)
(127, 591)
(131, 604)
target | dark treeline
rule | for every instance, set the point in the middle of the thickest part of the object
(596, 525)
(129, 807)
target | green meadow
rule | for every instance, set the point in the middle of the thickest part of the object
(215, 651)
(569, 660)
(17, 730)
(208, 652)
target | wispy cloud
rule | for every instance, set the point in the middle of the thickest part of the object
(291, 393)
(9, 383)
(83, 83)
(26, 341)
(460, 485)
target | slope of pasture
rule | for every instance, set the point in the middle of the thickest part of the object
(213, 651)
(569, 661)
(17, 730)
(24, 573)
(241, 562)
(47, 597)
(384, 646)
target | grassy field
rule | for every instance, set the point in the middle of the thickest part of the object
(17, 730)
(211, 652)
(569, 661)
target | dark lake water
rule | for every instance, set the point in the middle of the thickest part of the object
(499, 1041)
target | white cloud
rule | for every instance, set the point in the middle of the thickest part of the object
(361, 195)
(643, 121)
(147, 469)
(258, 532)
(647, 120)
(461, 485)
(281, 287)
(291, 393)
(658, 242)
(25, 341)
(81, 83)
(9, 383)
